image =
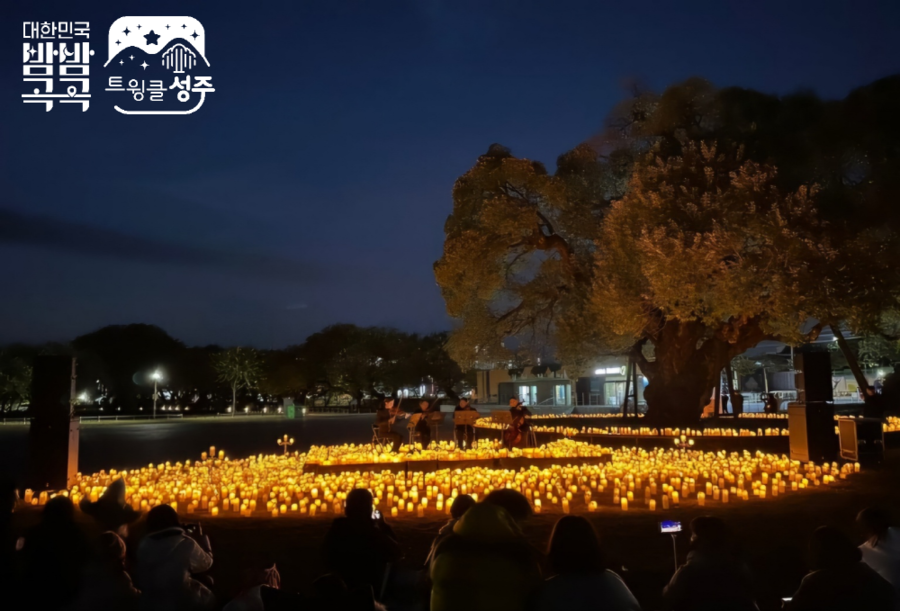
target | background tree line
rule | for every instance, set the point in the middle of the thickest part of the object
(340, 364)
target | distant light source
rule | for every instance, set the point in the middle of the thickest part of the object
(156, 375)
(608, 371)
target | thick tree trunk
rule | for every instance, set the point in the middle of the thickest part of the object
(687, 368)
(851, 359)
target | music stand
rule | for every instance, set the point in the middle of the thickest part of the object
(435, 419)
(501, 416)
(466, 418)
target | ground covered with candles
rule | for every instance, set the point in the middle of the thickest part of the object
(563, 476)
(773, 526)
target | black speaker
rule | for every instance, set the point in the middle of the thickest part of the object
(813, 377)
(53, 436)
(811, 429)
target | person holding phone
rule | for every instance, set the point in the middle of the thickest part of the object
(360, 546)
(169, 561)
(714, 576)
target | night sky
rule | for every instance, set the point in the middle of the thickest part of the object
(313, 185)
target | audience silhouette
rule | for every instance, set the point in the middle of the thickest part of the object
(169, 559)
(839, 579)
(581, 581)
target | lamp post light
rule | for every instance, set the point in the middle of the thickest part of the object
(285, 443)
(157, 376)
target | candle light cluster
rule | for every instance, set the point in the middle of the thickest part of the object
(891, 423)
(644, 431)
(277, 485)
(598, 415)
(445, 451)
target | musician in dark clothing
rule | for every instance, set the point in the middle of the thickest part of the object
(517, 433)
(384, 418)
(464, 433)
(422, 426)
(519, 412)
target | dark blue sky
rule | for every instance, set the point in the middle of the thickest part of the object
(312, 187)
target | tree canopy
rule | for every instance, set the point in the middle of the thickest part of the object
(700, 222)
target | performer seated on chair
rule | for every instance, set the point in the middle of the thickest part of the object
(517, 433)
(422, 428)
(385, 417)
(464, 433)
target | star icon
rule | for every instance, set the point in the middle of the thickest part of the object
(126, 31)
(118, 43)
(167, 26)
(31, 51)
(195, 35)
(121, 61)
(144, 65)
(152, 38)
(183, 27)
(139, 27)
(131, 57)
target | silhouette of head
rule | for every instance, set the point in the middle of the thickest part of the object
(59, 511)
(161, 517)
(463, 401)
(513, 402)
(574, 546)
(112, 547)
(515, 504)
(874, 523)
(461, 505)
(709, 533)
(359, 504)
(829, 548)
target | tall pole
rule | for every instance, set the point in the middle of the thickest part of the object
(155, 393)
(634, 385)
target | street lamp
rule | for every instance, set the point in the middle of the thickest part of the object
(157, 376)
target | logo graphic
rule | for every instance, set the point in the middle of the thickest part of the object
(159, 64)
(57, 53)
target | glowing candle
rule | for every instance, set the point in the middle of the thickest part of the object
(394, 512)
(625, 504)
(652, 504)
(701, 499)
(214, 511)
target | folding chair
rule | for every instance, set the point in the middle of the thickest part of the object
(377, 439)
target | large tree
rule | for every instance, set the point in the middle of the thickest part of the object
(737, 217)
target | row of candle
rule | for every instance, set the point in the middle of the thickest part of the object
(644, 431)
(444, 451)
(891, 423)
(277, 485)
(599, 415)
